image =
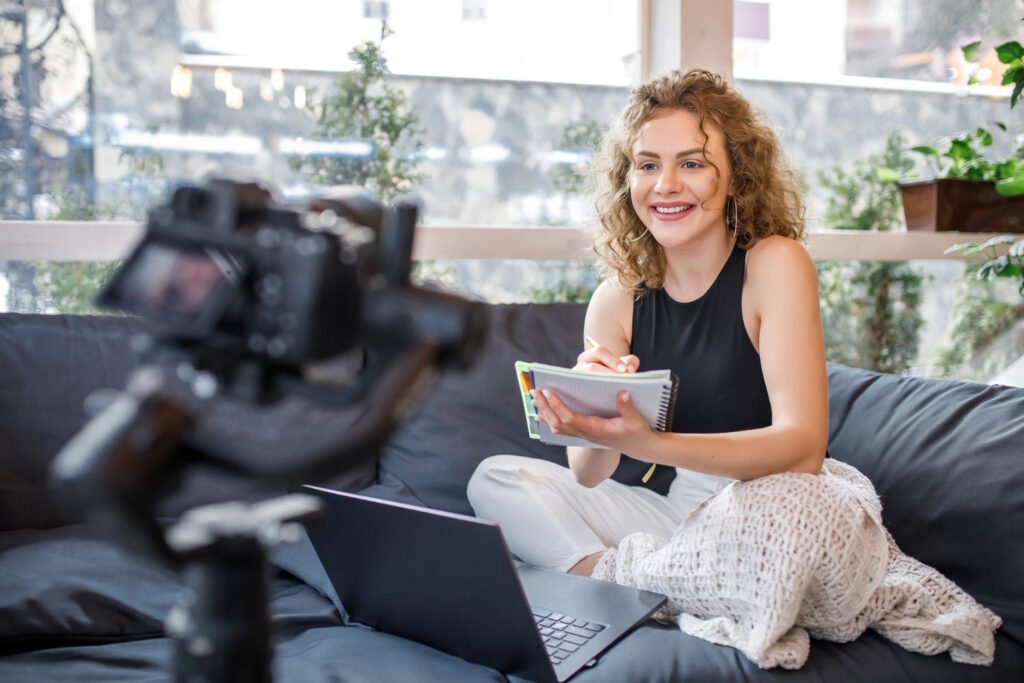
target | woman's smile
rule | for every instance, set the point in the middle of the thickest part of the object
(671, 211)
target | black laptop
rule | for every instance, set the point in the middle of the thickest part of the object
(449, 581)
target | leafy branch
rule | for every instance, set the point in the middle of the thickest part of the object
(1010, 53)
(1010, 264)
(364, 105)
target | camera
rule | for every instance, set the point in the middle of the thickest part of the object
(224, 270)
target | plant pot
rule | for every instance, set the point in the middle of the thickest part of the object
(954, 204)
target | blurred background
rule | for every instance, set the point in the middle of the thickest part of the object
(489, 111)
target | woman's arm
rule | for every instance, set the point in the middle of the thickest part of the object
(609, 321)
(783, 283)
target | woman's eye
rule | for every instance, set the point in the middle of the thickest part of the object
(690, 164)
(647, 166)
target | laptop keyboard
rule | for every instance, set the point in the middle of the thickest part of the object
(563, 635)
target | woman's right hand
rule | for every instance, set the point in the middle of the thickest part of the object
(601, 359)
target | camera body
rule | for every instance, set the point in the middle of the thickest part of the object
(222, 266)
(224, 272)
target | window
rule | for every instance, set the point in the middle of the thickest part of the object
(375, 9)
(473, 10)
(510, 108)
(916, 40)
(751, 20)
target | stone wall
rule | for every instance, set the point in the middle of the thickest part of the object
(490, 142)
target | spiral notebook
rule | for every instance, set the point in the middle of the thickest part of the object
(593, 393)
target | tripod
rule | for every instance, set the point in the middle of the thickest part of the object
(221, 623)
(119, 464)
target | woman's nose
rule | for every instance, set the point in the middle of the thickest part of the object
(668, 182)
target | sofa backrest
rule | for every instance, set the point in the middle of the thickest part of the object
(49, 364)
(947, 459)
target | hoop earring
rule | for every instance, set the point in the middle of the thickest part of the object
(735, 215)
(640, 236)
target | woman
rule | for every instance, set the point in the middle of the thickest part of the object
(699, 230)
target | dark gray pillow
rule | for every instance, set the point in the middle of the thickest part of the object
(67, 586)
(947, 459)
(471, 415)
(63, 586)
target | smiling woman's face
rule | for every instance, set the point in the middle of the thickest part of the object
(678, 195)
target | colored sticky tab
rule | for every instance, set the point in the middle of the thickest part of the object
(524, 382)
(528, 405)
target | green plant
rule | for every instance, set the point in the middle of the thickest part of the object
(979, 318)
(581, 137)
(863, 198)
(1009, 264)
(428, 272)
(869, 310)
(364, 105)
(562, 282)
(71, 287)
(1010, 53)
(963, 156)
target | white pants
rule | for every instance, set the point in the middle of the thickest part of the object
(550, 520)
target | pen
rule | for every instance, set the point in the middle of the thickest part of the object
(593, 343)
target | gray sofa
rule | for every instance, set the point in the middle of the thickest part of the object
(947, 459)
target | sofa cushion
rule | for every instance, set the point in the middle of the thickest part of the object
(947, 459)
(63, 586)
(69, 586)
(471, 415)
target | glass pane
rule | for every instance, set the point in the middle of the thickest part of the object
(476, 107)
(903, 39)
(54, 286)
(491, 39)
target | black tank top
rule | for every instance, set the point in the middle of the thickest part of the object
(704, 342)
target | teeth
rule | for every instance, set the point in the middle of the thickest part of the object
(672, 209)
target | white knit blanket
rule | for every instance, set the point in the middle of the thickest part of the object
(764, 563)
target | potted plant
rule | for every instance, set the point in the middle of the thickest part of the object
(965, 191)
(968, 192)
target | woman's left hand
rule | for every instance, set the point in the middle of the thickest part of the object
(628, 433)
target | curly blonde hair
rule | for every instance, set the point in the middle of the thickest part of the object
(763, 188)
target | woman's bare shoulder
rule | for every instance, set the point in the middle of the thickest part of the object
(778, 257)
(612, 292)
